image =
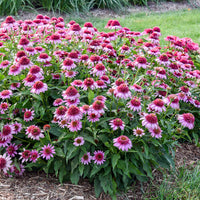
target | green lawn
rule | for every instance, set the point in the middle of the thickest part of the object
(184, 23)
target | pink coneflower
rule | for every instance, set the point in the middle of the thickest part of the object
(163, 60)
(123, 143)
(39, 87)
(105, 79)
(74, 102)
(156, 132)
(172, 100)
(4, 142)
(74, 113)
(5, 94)
(29, 115)
(98, 157)
(115, 25)
(187, 120)
(74, 56)
(161, 73)
(89, 83)
(196, 103)
(137, 88)
(138, 132)
(26, 29)
(36, 70)
(98, 107)
(14, 70)
(122, 91)
(149, 121)
(117, 123)
(100, 98)
(70, 74)
(3, 107)
(100, 84)
(34, 132)
(63, 123)
(182, 96)
(12, 150)
(24, 62)
(30, 80)
(71, 93)
(141, 62)
(119, 81)
(4, 64)
(86, 159)
(17, 127)
(43, 57)
(14, 86)
(47, 151)
(135, 104)
(92, 117)
(39, 49)
(5, 162)
(60, 112)
(79, 141)
(55, 39)
(75, 126)
(30, 51)
(185, 89)
(34, 155)
(56, 76)
(9, 22)
(25, 155)
(85, 109)
(17, 172)
(68, 64)
(77, 83)
(99, 70)
(23, 43)
(157, 105)
(74, 29)
(58, 102)
(7, 131)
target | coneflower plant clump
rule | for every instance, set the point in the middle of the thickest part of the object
(106, 106)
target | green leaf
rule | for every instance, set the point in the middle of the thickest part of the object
(59, 152)
(196, 138)
(114, 160)
(90, 96)
(89, 139)
(55, 131)
(70, 152)
(97, 187)
(147, 168)
(74, 164)
(62, 173)
(57, 165)
(74, 177)
(95, 170)
(81, 168)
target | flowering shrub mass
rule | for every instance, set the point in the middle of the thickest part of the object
(104, 106)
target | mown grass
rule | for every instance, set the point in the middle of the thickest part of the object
(182, 184)
(184, 23)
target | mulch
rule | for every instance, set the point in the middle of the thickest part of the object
(37, 186)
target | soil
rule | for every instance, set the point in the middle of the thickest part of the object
(37, 186)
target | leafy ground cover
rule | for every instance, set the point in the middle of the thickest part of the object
(124, 84)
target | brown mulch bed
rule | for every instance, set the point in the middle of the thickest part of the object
(37, 186)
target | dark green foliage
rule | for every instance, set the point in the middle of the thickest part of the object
(12, 7)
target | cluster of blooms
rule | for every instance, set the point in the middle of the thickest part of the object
(138, 82)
